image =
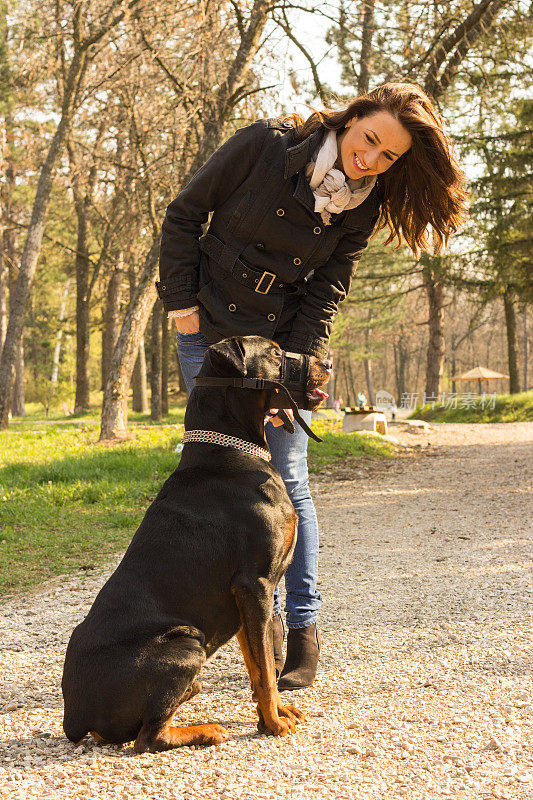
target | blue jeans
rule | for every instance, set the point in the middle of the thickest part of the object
(289, 457)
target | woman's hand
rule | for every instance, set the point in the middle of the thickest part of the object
(188, 324)
(276, 420)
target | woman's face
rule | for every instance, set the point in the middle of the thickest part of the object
(371, 144)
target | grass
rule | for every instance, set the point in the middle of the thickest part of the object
(69, 504)
(337, 447)
(34, 415)
(504, 408)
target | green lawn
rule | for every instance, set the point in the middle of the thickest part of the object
(505, 408)
(68, 503)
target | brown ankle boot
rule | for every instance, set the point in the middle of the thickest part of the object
(303, 648)
(278, 635)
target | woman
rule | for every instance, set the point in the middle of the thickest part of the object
(293, 204)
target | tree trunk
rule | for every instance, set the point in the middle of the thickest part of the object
(351, 387)
(82, 399)
(396, 370)
(114, 406)
(155, 371)
(33, 243)
(454, 367)
(6, 105)
(368, 361)
(368, 375)
(139, 379)
(59, 334)
(17, 398)
(400, 363)
(83, 197)
(418, 367)
(366, 46)
(435, 352)
(110, 328)
(331, 389)
(139, 382)
(512, 341)
(384, 365)
(3, 291)
(165, 347)
(348, 393)
(525, 349)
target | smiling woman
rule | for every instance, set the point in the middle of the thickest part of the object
(394, 132)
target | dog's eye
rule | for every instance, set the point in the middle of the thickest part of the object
(275, 352)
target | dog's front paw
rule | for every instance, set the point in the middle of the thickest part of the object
(291, 713)
(282, 726)
(213, 734)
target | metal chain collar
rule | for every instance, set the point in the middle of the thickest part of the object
(213, 437)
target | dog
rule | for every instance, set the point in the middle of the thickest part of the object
(201, 568)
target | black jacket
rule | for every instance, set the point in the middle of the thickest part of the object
(267, 265)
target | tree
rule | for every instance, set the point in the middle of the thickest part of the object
(224, 83)
(79, 30)
(502, 218)
(426, 43)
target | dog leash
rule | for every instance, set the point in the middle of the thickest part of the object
(260, 383)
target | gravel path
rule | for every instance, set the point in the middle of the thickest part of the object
(425, 689)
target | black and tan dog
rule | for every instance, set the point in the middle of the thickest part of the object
(201, 568)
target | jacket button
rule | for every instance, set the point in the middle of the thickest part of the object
(163, 288)
(232, 307)
(317, 230)
(297, 261)
(244, 274)
(280, 212)
(271, 317)
(260, 246)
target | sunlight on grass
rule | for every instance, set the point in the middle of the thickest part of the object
(69, 503)
(507, 408)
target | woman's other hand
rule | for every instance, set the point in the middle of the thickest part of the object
(276, 420)
(188, 324)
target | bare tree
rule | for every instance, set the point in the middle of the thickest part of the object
(83, 190)
(60, 331)
(78, 29)
(165, 358)
(155, 371)
(230, 84)
(512, 340)
(111, 321)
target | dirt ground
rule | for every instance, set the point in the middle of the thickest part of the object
(425, 688)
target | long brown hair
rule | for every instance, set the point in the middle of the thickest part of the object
(425, 186)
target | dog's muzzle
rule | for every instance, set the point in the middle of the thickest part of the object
(294, 375)
(291, 389)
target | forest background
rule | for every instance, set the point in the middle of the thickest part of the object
(107, 108)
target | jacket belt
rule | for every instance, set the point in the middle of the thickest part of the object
(261, 282)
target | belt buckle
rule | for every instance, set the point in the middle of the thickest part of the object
(272, 279)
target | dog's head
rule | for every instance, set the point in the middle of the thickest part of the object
(257, 357)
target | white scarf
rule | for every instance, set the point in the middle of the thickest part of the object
(332, 190)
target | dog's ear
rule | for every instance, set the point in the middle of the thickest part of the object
(229, 356)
